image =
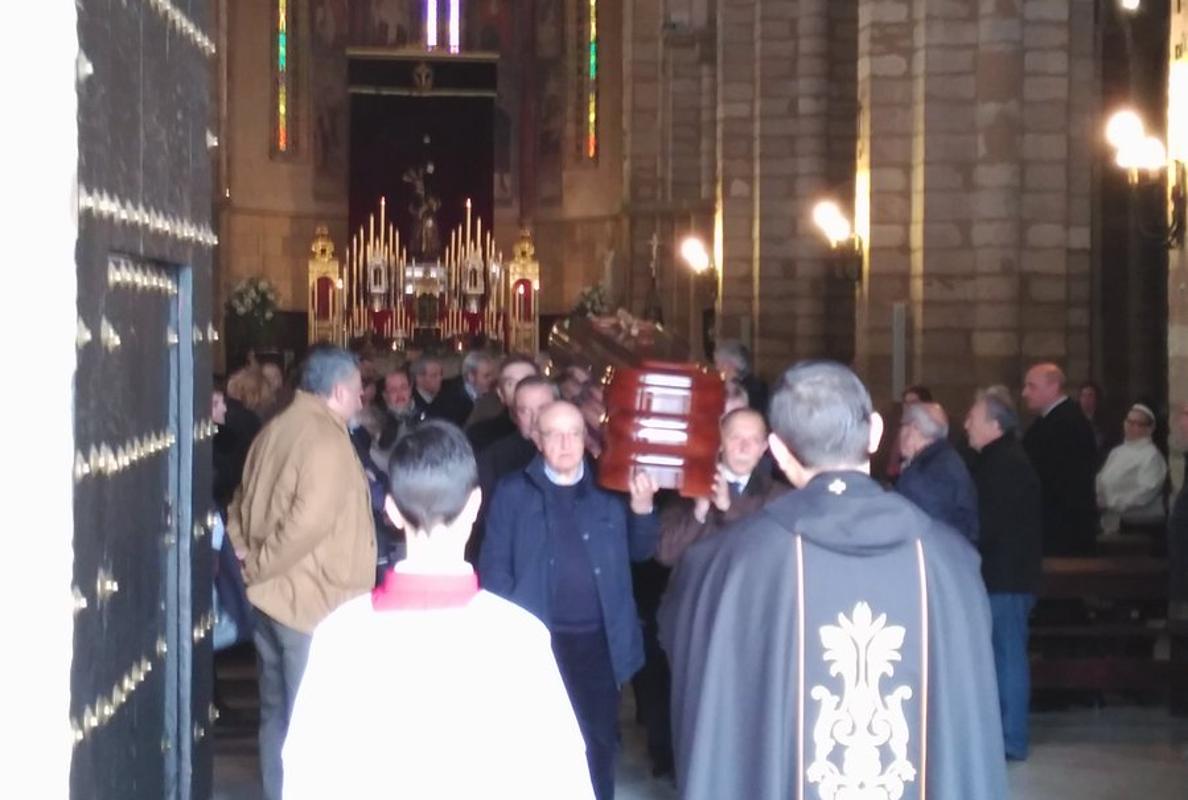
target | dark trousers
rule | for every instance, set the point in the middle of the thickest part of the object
(1009, 613)
(584, 661)
(281, 654)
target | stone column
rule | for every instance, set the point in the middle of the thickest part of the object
(641, 106)
(792, 81)
(735, 188)
(996, 233)
(882, 207)
(987, 239)
(945, 148)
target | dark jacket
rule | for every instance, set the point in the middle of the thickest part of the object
(452, 403)
(231, 444)
(938, 481)
(776, 627)
(377, 484)
(1064, 453)
(679, 529)
(485, 433)
(757, 395)
(1010, 507)
(510, 454)
(518, 554)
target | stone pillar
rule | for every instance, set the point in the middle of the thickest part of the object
(882, 205)
(944, 151)
(734, 235)
(641, 107)
(996, 233)
(974, 187)
(791, 82)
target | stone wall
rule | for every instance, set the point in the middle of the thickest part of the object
(270, 205)
(974, 188)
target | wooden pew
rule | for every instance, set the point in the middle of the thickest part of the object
(1110, 653)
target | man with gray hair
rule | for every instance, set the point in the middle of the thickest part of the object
(1010, 510)
(733, 360)
(840, 637)
(934, 476)
(456, 398)
(301, 524)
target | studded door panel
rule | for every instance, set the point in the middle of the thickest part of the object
(141, 704)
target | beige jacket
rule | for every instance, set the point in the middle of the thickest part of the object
(302, 517)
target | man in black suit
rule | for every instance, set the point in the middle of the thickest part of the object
(1062, 449)
(453, 400)
(515, 368)
(514, 451)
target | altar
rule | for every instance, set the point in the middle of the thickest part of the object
(458, 296)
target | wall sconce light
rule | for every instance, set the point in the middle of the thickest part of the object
(696, 255)
(1130, 5)
(1145, 157)
(846, 246)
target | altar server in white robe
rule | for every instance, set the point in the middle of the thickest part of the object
(429, 687)
(1130, 485)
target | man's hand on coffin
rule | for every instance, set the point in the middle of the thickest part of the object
(643, 492)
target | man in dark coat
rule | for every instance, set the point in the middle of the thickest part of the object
(452, 400)
(485, 432)
(733, 360)
(561, 547)
(934, 476)
(1010, 506)
(513, 452)
(1063, 451)
(744, 484)
(838, 640)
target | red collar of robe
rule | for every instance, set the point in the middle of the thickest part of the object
(407, 591)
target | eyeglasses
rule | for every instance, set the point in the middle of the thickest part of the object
(559, 436)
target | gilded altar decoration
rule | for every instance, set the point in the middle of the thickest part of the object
(863, 723)
(431, 291)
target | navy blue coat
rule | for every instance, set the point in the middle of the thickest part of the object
(938, 481)
(518, 551)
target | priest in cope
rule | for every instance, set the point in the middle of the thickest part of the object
(837, 642)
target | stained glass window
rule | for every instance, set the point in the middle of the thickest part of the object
(584, 64)
(283, 84)
(591, 137)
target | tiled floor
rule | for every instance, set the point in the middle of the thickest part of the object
(1119, 753)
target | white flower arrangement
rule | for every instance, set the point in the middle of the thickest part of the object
(254, 301)
(592, 302)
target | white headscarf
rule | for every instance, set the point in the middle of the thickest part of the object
(1130, 485)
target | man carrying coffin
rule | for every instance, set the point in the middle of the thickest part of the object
(836, 643)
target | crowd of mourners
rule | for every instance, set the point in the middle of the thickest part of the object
(445, 602)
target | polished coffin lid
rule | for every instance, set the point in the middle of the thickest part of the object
(662, 412)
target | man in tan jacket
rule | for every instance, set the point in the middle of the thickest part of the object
(302, 526)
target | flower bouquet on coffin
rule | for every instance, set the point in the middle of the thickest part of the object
(252, 309)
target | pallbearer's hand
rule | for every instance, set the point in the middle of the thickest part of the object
(643, 492)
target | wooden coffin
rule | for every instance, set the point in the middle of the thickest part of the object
(662, 414)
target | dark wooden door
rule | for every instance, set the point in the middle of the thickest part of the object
(141, 675)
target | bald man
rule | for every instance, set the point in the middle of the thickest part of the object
(934, 476)
(1063, 450)
(560, 546)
